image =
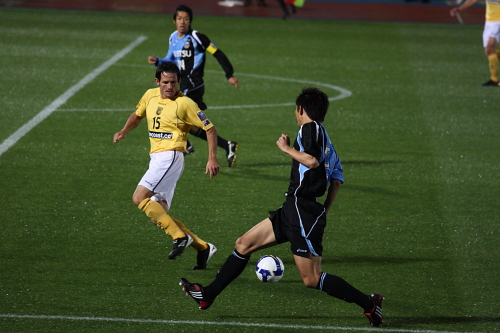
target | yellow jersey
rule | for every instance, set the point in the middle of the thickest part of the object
(492, 10)
(169, 120)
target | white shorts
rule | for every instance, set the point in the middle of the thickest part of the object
(491, 30)
(165, 169)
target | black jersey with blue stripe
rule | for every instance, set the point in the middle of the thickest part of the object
(313, 139)
(188, 53)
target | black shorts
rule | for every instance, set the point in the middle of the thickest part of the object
(301, 222)
(197, 96)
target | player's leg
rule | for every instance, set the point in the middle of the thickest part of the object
(205, 250)
(155, 192)
(200, 133)
(259, 237)
(229, 146)
(155, 211)
(491, 36)
(198, 243)
(284, 9)
(491, 53)
(310, 271)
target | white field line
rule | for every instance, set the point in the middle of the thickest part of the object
(11, 140)
(344, 93)
(228, 323)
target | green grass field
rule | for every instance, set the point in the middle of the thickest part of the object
(416, 220)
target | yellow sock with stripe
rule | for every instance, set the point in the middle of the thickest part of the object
(198, 243)
(493, 62)
(156, 212)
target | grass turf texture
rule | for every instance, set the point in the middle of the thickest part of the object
(417, 219)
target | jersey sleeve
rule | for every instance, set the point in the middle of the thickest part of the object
(194, 116)
(170, 55)
(309, 140)
(217, 53)
(332, 165)
(141, 106)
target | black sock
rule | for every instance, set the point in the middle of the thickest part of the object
(337, 287)
(220, 141)
(230, 270)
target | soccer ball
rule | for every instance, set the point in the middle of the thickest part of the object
(269, 268)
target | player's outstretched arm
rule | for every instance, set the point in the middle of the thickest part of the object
(212, 165)
(133, 121)
(463, 6)
(152, 60)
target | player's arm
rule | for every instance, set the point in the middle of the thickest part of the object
(220, 57)
(226, 66)
(212, 164)
(303, 158)
(333, 189)
(157, 61)
(463, 6)
(133, 121)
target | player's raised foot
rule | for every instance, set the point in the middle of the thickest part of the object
(204, 256)
(179, 245)
(197, 292)
(490, 83)
(189, 150)
(375, 315)
(231, 152)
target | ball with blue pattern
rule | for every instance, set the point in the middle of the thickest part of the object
(269, 268)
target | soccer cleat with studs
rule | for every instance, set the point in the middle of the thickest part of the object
(231, 152)
(204, 256)
(375, 315)
(197, 292)
(179, 245)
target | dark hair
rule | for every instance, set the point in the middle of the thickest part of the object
(314, 102)
(167, 67)
(186, 9)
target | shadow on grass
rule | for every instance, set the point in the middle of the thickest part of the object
(288, 260)
(369, 163)
(377, 260)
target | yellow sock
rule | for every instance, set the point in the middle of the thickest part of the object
(493, 62)
(198, 243)
(155, 211)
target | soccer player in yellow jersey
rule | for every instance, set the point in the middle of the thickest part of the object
(169, 116)
(491, 35)
(187, 48)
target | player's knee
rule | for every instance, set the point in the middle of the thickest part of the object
(241, 246)
(309, 281)
(137, 199)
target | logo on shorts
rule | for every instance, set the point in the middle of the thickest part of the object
(302, 251)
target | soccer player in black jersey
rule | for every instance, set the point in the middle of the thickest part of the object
(301, 220)
(187, 49)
